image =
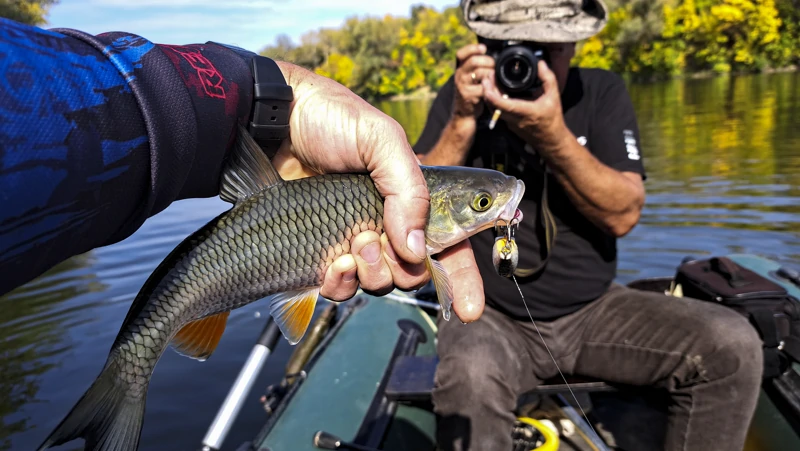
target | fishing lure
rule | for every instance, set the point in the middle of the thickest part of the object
(505, 253)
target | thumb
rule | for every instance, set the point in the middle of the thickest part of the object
(395, 170)
(501, 101)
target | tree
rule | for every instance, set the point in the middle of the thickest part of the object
(31, 12)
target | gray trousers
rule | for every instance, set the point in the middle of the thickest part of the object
(707, 358)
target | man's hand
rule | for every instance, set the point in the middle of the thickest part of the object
(457, 136)
(334, 130)
(611, 199)
(473, 66)
(539, 122)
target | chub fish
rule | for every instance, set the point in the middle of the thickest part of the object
(277, 241)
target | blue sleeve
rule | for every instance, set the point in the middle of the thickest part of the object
(98, 133)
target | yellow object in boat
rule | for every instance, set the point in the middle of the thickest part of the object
(551, 441)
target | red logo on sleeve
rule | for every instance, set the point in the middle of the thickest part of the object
(209, 76)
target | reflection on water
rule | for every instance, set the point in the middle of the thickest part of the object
(722, 157)
(35, 318)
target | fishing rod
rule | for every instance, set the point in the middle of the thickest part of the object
(241, 387)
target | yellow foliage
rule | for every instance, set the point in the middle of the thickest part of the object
(383, 56)
(31, 12)
(338, 67)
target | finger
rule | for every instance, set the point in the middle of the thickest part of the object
(406, 276)
(549, 81)
(395, 170)
(374, 274)
(477, 62)
(473, 93)
(495, 97)
(466, 78)
(468, 298)
(468, 50)
(340, 283)
(484, 73)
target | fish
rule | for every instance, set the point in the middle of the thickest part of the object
(277, 241)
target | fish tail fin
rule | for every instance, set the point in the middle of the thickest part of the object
(106, 417)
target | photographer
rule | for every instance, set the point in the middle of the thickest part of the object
(571, 135)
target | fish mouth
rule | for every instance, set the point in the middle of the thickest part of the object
(512, 211)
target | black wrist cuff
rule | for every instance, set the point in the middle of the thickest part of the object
(272, 98)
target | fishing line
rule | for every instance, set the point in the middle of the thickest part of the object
(553, 358)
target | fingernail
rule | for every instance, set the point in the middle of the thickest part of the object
(349, 276)
(483, 48)
(416, 243)
(371, 253)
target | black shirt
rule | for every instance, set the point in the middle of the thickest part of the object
(583, 263)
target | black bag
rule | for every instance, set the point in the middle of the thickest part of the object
(771, 310)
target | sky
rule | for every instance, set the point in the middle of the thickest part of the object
(250, 24)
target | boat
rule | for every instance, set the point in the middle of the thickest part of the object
(362, 377)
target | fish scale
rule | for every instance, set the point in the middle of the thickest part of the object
(291, 212)
(278, 239)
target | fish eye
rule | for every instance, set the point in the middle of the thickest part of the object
(482, 201)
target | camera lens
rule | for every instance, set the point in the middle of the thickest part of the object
(515, 69)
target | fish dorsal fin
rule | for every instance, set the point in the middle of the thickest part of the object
(444, 288)
(200, 338)
(293, 311)
(248, 170)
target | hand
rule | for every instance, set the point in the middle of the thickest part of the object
(334, 130)
(539, 122)
(473, 66)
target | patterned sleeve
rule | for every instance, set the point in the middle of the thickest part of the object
(98, 133)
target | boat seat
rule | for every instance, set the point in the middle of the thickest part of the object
(411, 380)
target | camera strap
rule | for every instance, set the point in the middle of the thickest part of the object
(550, 231)
(499, 160)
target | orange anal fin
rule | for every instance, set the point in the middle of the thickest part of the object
(293, 311)
(200, 338)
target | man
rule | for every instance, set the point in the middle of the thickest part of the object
(578, 133)
(98, 133)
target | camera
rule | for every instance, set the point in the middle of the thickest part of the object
(515, 66)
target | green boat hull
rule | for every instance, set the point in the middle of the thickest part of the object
(343, 389)
(345, 380)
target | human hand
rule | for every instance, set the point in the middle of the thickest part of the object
(473, 66)
(539, 122)
(334, 130)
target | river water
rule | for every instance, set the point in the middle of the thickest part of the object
(722, 157)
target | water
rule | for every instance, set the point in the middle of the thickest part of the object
(722, 157)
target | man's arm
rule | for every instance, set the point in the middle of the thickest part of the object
(101, 132)
(611, 197)
(453, 145)
(450, 128)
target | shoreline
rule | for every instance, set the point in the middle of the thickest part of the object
(426, 92)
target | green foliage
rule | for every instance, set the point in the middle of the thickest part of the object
(382, 57)
(31, 12)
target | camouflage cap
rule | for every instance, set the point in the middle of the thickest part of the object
(535, 20)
